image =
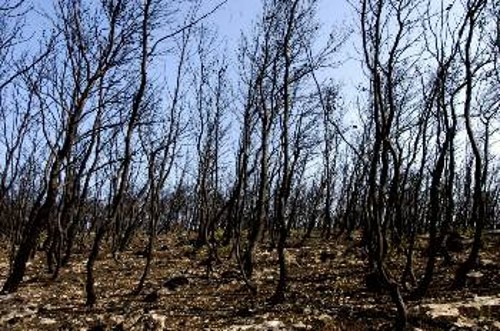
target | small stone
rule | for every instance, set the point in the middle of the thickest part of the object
(443, 312)
(325, 318)
(141, 253)
(487, 262)
(464, 323)
(273, 325)
(300, 326)
(154, 321)
(48, 321)
(117, 320)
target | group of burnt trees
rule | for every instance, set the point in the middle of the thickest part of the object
(415, 138)
(97, 147)
(79, 122)
(277, 134)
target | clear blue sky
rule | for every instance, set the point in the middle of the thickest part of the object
(238, 14)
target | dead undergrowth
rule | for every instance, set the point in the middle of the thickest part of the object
(326, 292)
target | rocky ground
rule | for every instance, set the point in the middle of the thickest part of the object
(326, 292)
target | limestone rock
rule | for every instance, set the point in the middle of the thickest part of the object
(464, 314)
(273, 325)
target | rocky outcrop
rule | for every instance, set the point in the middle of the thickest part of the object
(470, 314)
